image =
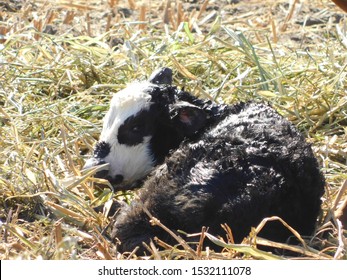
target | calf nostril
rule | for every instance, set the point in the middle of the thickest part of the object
(116, 179)
(119, 178)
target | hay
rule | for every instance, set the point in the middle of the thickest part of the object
(60, 63)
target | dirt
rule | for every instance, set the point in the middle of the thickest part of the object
(279, 20)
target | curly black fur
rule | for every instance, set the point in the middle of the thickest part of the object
(246, 163)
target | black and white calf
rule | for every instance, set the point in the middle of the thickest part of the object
(204, 164)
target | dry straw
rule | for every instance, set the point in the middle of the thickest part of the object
(60, 64)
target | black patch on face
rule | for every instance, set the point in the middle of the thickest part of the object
(135, 128)
(102, 149)
(162, 95)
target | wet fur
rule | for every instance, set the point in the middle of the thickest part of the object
(246, 163)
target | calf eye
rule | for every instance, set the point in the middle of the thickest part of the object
(135, 128)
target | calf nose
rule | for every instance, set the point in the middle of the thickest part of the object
(104, 173)
(116, 179)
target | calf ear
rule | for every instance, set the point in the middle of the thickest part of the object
(161, 76)
(187, 118)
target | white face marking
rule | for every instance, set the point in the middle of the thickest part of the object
(132, 162)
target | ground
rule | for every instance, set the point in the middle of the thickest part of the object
(61, 61)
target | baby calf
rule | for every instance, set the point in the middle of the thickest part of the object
(205, 164)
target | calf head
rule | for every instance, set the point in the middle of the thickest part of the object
(145, 121)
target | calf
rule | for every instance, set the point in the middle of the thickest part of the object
(204, 164)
